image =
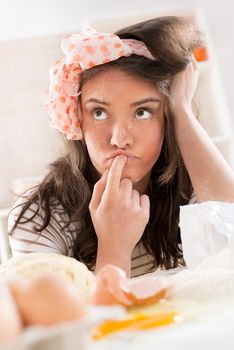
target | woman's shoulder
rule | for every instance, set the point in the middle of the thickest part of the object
(31, 210)
(18, 207)
(31, 234)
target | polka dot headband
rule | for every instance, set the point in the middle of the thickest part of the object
(82, 51)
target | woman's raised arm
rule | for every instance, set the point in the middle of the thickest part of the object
(211, 176)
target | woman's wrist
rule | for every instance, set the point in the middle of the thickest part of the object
(183, 115)
(182, 109)
(109, 254)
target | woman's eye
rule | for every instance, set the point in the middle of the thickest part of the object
(143, 114)
(99, 114)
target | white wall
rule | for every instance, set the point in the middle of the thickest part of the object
(27, 18)
(30, 32)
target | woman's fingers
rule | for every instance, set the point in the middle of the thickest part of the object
(193, 60)
(195, 64)
(109, 183)
(126, 188)
(141, 201)
(135, 197)
(98, 191)
(116, 191)
(114, 175)
(145, 203)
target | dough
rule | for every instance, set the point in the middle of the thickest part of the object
(33, 264)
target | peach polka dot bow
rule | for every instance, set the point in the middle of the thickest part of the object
(82, 51)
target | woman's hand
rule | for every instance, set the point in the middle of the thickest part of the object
(184, 85)
(119, 216)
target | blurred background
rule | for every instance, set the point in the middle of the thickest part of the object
(30, 35)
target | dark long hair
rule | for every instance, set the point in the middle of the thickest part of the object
(71, 178)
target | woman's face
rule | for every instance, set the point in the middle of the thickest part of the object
(123, 115)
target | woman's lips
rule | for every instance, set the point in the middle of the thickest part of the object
(130, 157)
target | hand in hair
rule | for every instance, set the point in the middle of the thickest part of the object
(183, 87)
(119, 216)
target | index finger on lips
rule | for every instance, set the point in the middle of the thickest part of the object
(98, 191)
(115, 174)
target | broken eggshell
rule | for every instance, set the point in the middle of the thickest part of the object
(113, 287)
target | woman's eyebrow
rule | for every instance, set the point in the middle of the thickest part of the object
(96, 100)
(137, 103)
(145, 100)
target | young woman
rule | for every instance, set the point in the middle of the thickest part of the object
(135, 151)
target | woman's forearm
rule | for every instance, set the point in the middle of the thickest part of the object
(212, 178)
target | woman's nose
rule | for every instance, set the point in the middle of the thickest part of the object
(121, 136)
